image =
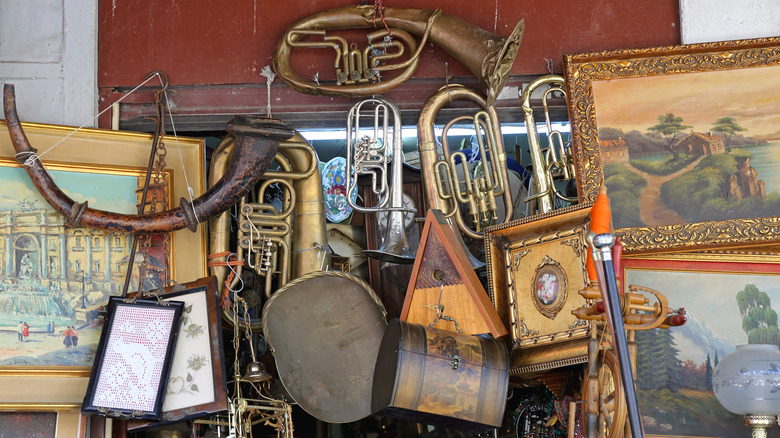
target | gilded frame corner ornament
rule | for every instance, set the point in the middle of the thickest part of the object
(583, 70)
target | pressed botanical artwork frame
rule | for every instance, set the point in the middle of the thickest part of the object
(27, 387)
(518, 254)
(197, 384)
(707, 288)
(614, 89)
(134, 358)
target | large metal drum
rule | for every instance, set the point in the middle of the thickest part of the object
(324, 329)
(440, 377)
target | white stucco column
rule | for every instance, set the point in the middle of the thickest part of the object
(48, 50)
(722, 20)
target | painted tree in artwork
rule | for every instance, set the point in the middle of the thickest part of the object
(759, 321)
(669, 126)
(658, 366)
(727, 126)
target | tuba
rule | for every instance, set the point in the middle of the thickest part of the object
(488, 56)
(554, 162)
(443, 190)
(281, 240)
(369, 155)
(257, 139)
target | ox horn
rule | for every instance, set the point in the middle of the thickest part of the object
(257, 140)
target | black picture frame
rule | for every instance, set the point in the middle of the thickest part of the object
(201, 298)
(120, 357)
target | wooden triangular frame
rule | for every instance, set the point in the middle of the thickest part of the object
(476, 304)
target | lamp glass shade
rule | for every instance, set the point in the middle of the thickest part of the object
(747, 381)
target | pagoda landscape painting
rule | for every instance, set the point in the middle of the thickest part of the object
(693, 147)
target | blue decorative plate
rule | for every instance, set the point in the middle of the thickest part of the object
(334, 180)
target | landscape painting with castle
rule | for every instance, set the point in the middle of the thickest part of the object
(693, 147)
(55, 280)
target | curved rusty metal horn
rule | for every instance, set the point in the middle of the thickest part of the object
(257, 140)
(487, 55)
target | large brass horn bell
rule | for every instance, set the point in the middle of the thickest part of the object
(488, 56)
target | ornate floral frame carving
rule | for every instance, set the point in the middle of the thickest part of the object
(583, 70)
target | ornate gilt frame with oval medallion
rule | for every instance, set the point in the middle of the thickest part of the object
(544, 332)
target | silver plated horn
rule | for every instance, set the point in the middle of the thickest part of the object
(368, 153)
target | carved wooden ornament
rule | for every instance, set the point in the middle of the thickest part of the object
(444, 291)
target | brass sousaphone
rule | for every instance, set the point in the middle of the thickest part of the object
(488, 56)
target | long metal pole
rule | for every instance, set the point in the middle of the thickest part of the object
(601, 245)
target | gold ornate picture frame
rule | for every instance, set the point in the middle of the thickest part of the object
(718, 320)
(28, 388)
(690, 114)
(536, 266)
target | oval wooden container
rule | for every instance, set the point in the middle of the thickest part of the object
(440, 377)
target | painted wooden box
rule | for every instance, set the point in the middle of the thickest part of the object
(440, 377)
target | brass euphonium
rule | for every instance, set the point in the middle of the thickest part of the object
(279, 242)
(443, 191)
(369, 155)
(554, 162)
(488, 56)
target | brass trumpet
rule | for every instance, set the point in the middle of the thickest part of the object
(370, 155)
(443, 191)
(488, 56)
(554, 162)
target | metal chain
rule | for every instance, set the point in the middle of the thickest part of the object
(157, 200)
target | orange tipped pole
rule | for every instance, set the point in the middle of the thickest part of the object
(600, 220)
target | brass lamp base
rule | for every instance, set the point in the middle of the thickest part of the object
(759, 424)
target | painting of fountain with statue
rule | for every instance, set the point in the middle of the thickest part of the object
(55, 280)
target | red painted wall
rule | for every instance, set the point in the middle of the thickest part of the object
(204, 43)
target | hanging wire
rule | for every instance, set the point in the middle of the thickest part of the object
(190, 191)
(31, 159)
